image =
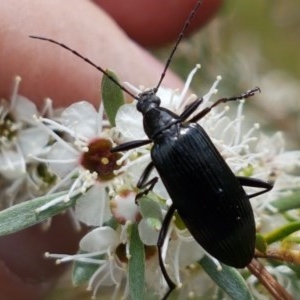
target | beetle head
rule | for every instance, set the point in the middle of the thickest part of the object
(147, 100)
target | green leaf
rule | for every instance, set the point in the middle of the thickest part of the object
(112, 223)
(228, 279)
(151, 212)
(82, 271)
(24, 215)
(280, 233)
(287, 203)
(112, 97)
(136, 265)
(260, 243)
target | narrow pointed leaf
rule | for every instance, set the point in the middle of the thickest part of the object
(260, 243)
(228, 279)
(112, 97)
(24, 215)
(136, 265)
(287, 203)
(82, 271)
(281, 232)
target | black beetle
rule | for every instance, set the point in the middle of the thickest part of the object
(207, 195)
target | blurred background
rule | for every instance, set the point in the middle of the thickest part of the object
(249, 43)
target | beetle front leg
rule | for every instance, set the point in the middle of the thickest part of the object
(206, 110)
(130, 145)
(190, 109)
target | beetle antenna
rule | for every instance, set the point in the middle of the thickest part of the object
(86, 60)
(180, 37)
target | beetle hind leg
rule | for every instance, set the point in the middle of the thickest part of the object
(256, 183)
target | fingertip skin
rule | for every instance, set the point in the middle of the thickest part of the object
(157, 22)
(50, 71)
(25, 273)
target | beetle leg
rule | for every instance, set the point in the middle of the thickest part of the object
(160, 242)
(190, 109)
(145, 175)
(257, 183)
(151, 183)
(130, 145)
(206, 110)
(143, 183)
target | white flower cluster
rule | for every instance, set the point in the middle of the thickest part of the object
(73, 148)
(21, 176)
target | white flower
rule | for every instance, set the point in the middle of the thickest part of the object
(81, 157)
(65, 155)
(100, 248)
(124, 208)
(79, 122)
(19, 138)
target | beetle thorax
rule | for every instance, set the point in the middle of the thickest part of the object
(156, 118)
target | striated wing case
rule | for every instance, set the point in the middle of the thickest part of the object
(207, 195)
